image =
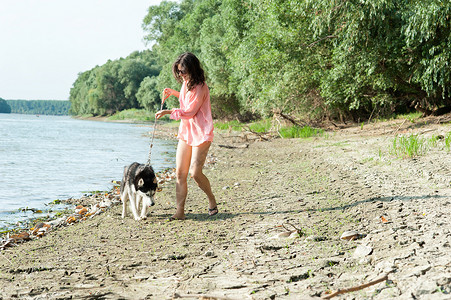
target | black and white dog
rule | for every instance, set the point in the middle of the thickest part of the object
(138, 184)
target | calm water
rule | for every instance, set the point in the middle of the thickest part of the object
(48, 157)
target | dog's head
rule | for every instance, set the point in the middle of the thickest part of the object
(146, 184)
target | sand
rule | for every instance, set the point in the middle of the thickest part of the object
(283, 206)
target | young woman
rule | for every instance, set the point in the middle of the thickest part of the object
(195, 131)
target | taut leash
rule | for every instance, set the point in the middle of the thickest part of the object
(153, 132)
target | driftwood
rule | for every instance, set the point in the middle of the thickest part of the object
(357, 288)
(257, 134)
(291, 119)
(200, 297)
(234, 147)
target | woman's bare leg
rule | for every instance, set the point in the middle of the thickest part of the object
(198, 157)
(183, 159)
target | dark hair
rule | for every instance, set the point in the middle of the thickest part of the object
(190, 64)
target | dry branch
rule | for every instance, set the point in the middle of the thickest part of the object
(357, 288)
(200, 297)
(257, 134)
(291, 119)
(234, 147)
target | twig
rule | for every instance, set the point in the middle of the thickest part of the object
(399, 127)
(299, 231)
(369, 120)
(200, 296)
(427, 130)
(234, 147)
(7, 260)
(257, 133)
(290, 118)
(357, 288)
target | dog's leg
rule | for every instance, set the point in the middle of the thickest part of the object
(124, 197)
(132, 195)
(138, 201)
(144, 208)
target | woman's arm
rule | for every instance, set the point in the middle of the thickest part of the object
(170, 92)
(196, 99)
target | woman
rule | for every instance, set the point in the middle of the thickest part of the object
(195, 131)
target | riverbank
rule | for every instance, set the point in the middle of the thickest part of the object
(283, 206)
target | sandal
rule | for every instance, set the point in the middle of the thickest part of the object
(213, 211)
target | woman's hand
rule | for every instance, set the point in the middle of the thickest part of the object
(161, 113)
(170, 92)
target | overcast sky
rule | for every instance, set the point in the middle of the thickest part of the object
(44, 44)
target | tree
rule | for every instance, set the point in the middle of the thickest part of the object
(148, 95)
(4, 107)
(383, 54)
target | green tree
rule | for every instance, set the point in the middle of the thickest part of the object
(148, 95)
(383, 54)
(4, 107)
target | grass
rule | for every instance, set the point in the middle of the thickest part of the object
(266, 125)
(261, 126)
(409, 146)
(300, 132)
(233, 125)
(413, 145)
(447, 141)
(133, 114)
(411, 117)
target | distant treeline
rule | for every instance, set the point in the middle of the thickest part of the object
(316, 58)
(39, 107)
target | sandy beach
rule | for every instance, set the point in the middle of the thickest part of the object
(284, 205)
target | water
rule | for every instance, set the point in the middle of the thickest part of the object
(52, 157)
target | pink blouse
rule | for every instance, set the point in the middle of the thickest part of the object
(196, 125)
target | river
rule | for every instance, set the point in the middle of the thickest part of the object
(44, 158)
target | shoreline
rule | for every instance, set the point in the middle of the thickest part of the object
(284, 205)
(18, 214)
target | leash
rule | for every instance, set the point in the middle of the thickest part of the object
(153, 132)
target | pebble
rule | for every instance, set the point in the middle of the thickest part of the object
(385, 267)
(350, 235)
(362, 251)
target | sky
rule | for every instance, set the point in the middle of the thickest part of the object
(45, 44)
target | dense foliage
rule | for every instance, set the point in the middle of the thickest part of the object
(117, 85)
(332, 57)
(39, 107)
(350, 58)
(4, 107)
